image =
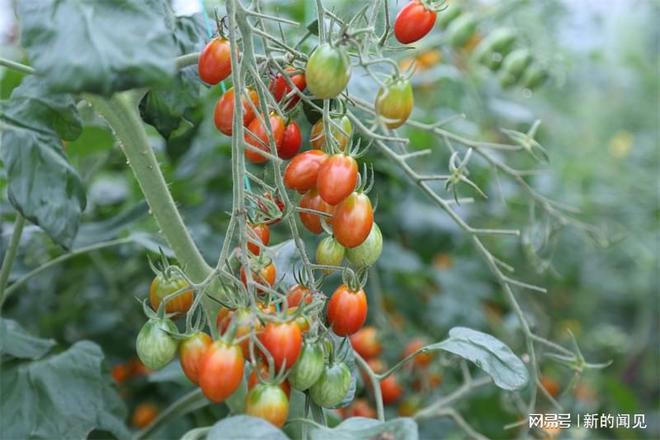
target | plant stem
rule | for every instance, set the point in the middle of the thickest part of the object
(16, 66)
(10, 256)
(375, 384)
(185, 404)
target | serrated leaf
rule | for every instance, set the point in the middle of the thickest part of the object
(15, 341)
(358, 428)
(488, 353)
(245, 428)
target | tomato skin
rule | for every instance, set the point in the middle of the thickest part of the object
(312, 200)
(143, 415)
(291, 141)
(283, 341)
(347, 310)
(337, 178)
(162, 286)
(279, 88)
(394, 102)
(253, 380)
(297, 294)
(155, 347)
(301, 173)
(257, 136)
(341, 137)
(191, 351)
(360, 408)
(331, 388)
(221, 370)
(353, 220)
(329, 253)
(369, 251)
(328, 71)
(214, 63)
(224, 110)
(413, 22)
(550, 385)
(308, 368)
(265, 276)
(365, 341)
(422, 359)
(390, 389)
(260, 232)
(268, 402)
(245, 323)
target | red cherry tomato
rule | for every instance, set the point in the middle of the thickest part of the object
(257, 135)
(253, 380)
(264, 275)
(143, 415)
(283, 341)
(347, 310)
(422, 359)
(261, 233)
(352, 220)
(297, 294)
(291, 141)
(221, 370)
(224, 110)
(280, 88)
(360, 408)
(215, 61)
(366, 342)
(312, 200)
(337, 178)
(390, 389)
(191, 351)
(413, 22)
(301, 173)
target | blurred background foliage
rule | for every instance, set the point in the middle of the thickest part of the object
(599, 112)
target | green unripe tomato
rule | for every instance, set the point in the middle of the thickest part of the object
(516, 62)
(369, 251)
(332, 386)
(328, 71)
(394, 102)
(448, 15)
(461, 29)
(308, 368)
(492, 49)
(534, 76)
(330, 253)
(155, 347)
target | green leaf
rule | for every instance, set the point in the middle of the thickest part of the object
(313, 27)
(245, 428)
(97, 46)
(16, 342)
(488, 353)
(104, 230)
(358, 428)
(63, 396)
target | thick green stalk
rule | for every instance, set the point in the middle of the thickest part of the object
(10, 255)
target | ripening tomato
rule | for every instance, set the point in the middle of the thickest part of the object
(369, 251)
(394, 102)
(301, 320)
(360, 408)
(340, 133)
(291, 141)
(550, 385)
(312, 200)
(301, 173)
(390, 389)
(279, 87)
(215, 61)
(155, 346)
(268, 402)
(143, 415)
(257, 136)
(409, 407)
(253, 380)
(245, 322)
(329, 253)
(265, 275)
(121, 372)
(273, 208)
(283, 341)
(347, 310)
(413, 22)
(422, 359)
(337, 178)
(352, 220)
(221, 370)
(309, 366)
(224, 110)
(164, 285)
(297, 294)
(260, 233)
(328, 71)
(333, 385)
(191, 351)
(366, 342)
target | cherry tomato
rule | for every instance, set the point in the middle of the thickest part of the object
(340, 135)
(121, 372)
(413, 22)
(347, 310)
(143, 415)
(297, 294)
(257, 136)
(329, 253)
(245, 323)
(280, 88)
(312, 200)
(283, 341)
(409, 407)
(261, 233)
(224, 110)
(253, 380)
(191, 351)
(369, 251)
(366, 342)
(309, 366)
(301, 320)
(291, 141)
(360, 408)
(390, 389)
(333, 385)
(328, 71)
(268, 402)
(221, 370)
(550, 385)
(164, 285)
(394, 102)
(265, 275)
(301, 173)
(215, 61)
(337, 178)
(423, 359)
(352, 220)
(273, 209)
(155, 346)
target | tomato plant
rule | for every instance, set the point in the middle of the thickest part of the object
(352, 220)
(224, 110)
(283, 341)
(221, 370)
(191, 351)
(214, 62)
(347, 310)
(280, 88)
(268, 402)
(308, 368)
(155, 345)
(331, 388)
(328, 71)
(257, 136)
(302, 172)
(164, 285)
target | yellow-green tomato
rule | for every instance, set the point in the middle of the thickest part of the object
(328, 71)
(329, 253)
(369, 251)
(394, 102)
(268, 402)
